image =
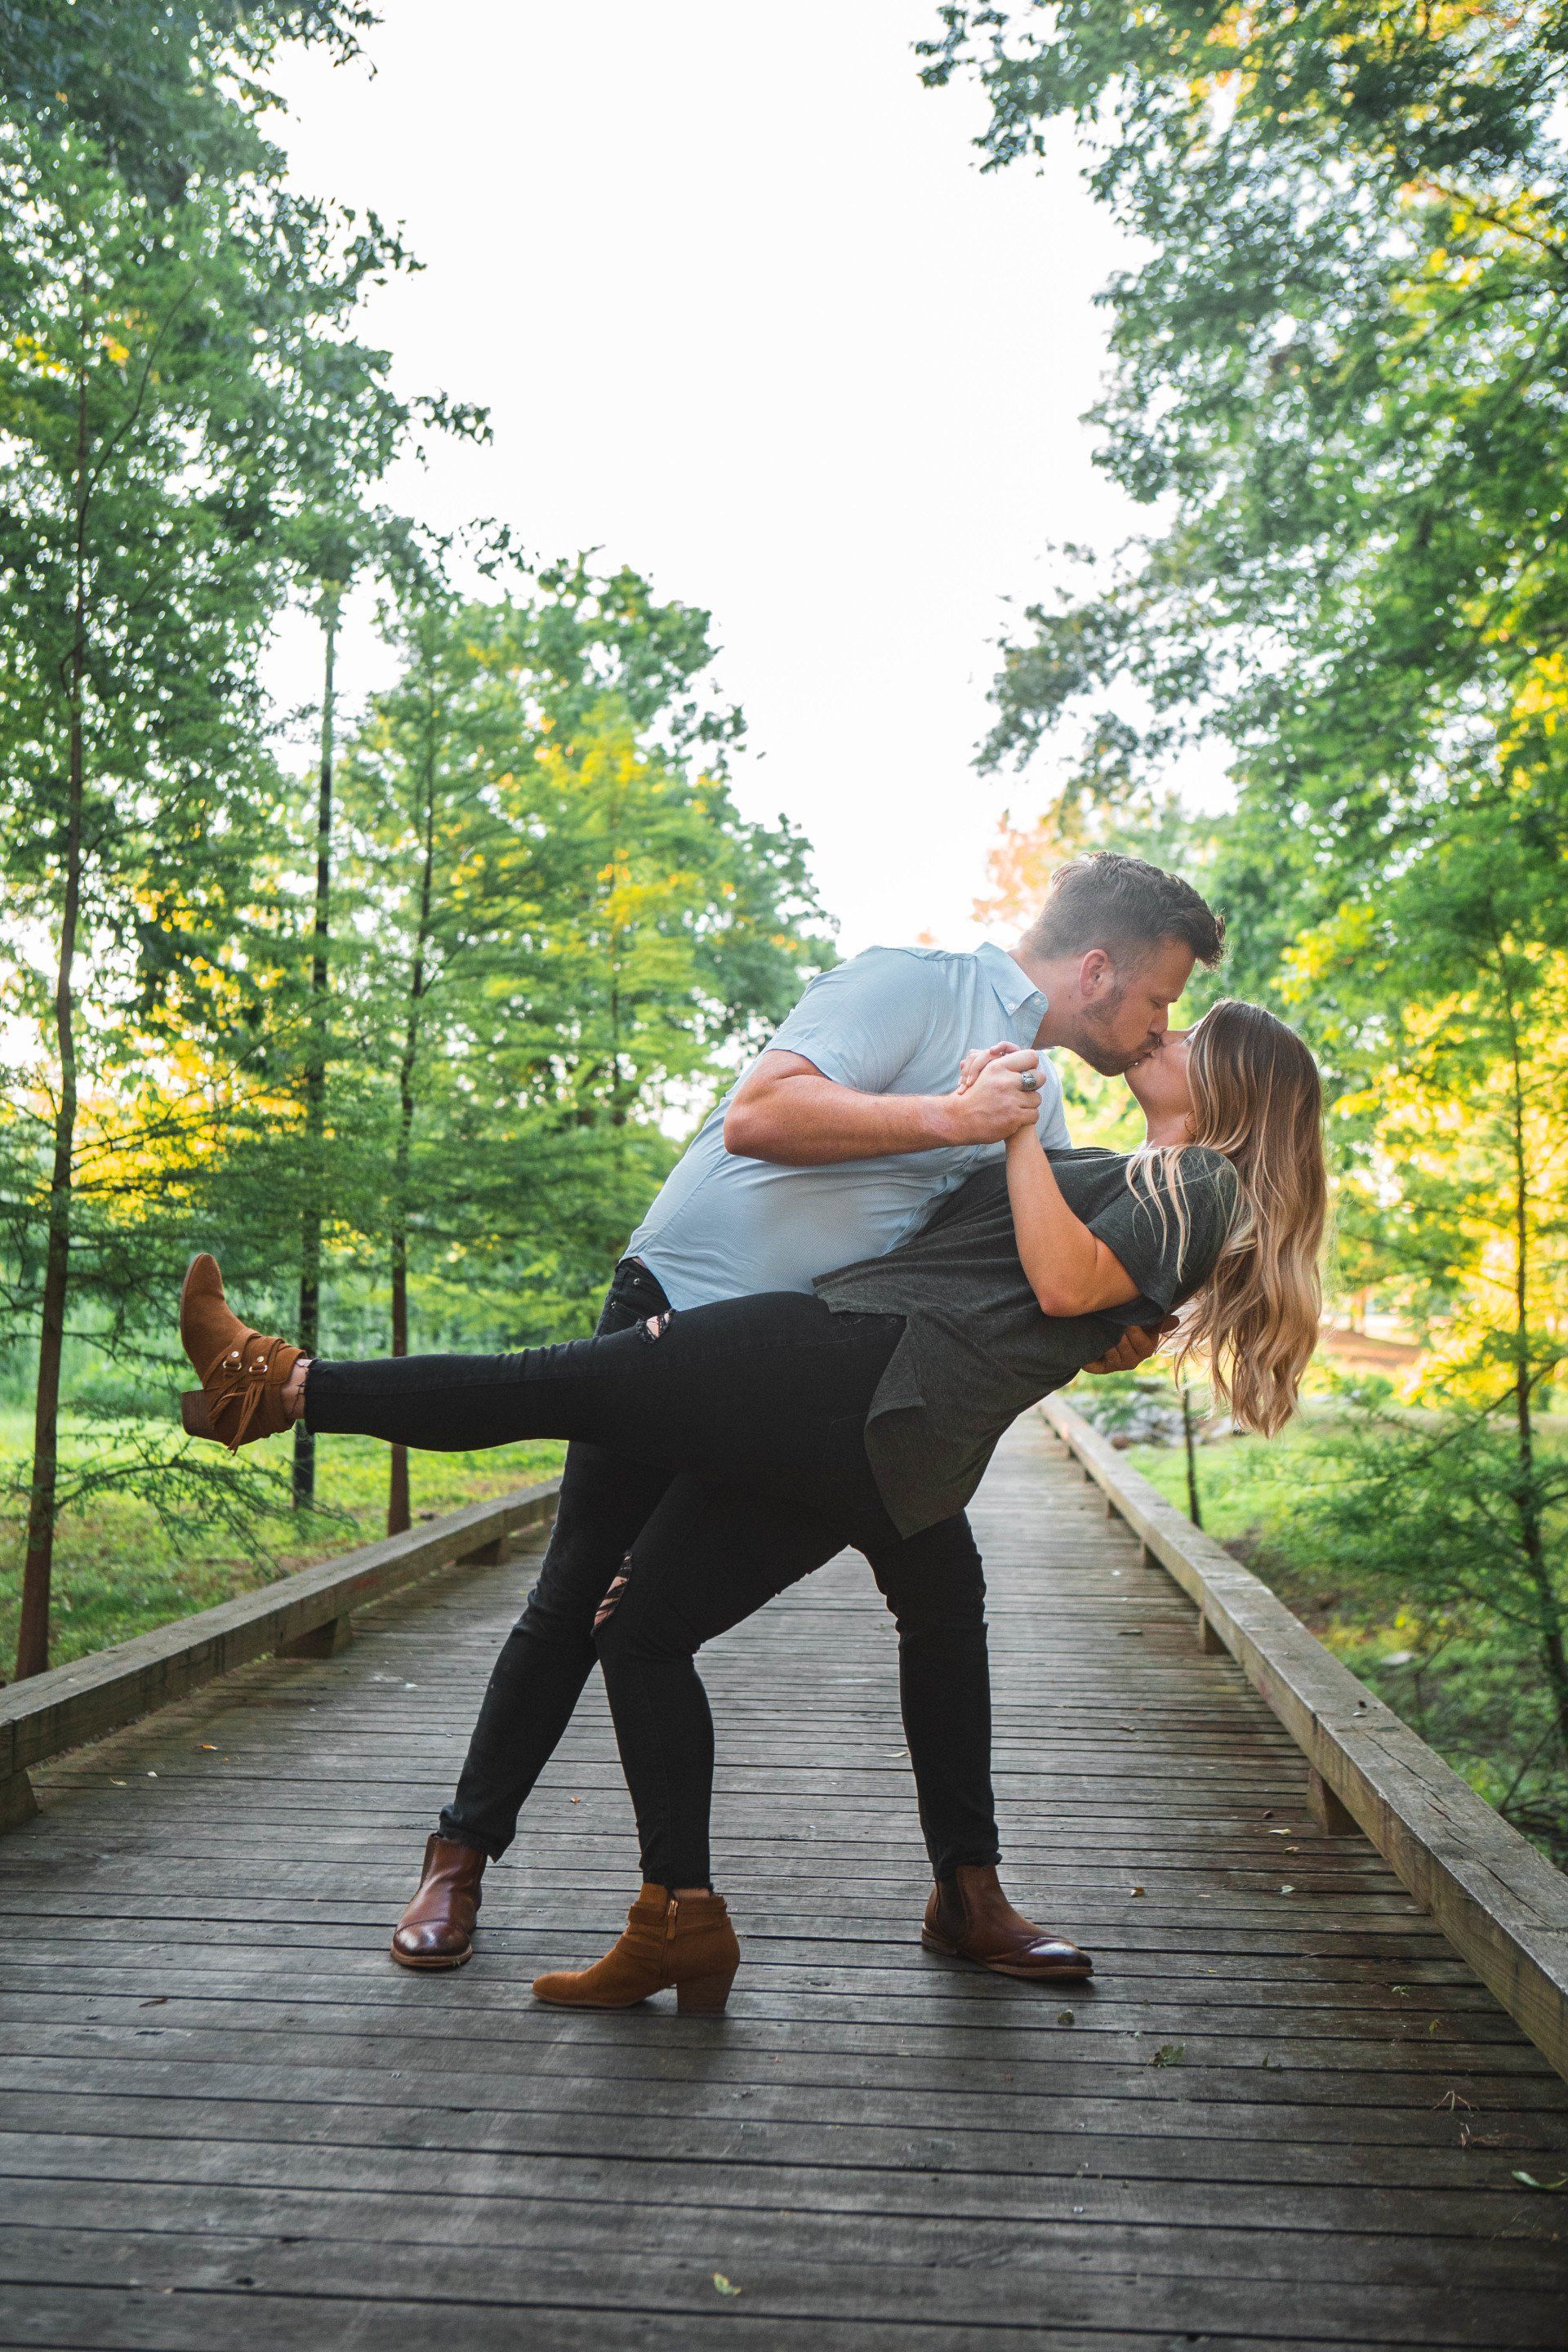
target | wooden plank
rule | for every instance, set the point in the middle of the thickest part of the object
(1499, 1901)
(873, 2277)
(121, 2136)
(71, 1703)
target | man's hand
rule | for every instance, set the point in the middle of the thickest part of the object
(1135, 1346)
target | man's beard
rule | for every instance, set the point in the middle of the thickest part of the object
(1110, 1061)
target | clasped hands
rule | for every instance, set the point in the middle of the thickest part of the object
(996, 1074)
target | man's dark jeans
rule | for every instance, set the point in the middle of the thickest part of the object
(935, 1590)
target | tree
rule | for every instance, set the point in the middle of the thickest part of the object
(140, 591)
(420, 806)
(165, 89)
(174, 373)
(1341, 368)
(572, 933)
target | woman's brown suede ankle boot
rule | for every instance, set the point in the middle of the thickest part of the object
(688, 1943)
(243, 1372)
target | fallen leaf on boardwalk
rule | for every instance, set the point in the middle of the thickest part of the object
(1530, 2181)
(722, 2284)
(159, 2000)
(1286, 1890)
(577, 1800)
(151, 1776)
(119, 1784)
(1169, 2054)
(1135, 1890)
(209, 1747)
(1064, 2017)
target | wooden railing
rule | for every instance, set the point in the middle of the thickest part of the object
(305, 1616)
(1500, 1903)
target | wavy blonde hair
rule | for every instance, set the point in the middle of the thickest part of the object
(1257, 1101)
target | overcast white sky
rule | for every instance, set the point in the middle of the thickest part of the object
(748, 317)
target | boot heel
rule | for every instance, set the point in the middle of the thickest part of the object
(195, 1418)
(704, 1996)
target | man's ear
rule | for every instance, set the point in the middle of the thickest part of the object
(1095, 974)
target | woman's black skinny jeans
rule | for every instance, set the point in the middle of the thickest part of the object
(760, 1403)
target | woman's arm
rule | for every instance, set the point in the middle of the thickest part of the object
(1070, 1272)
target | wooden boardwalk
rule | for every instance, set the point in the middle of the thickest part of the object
(1284, 2115)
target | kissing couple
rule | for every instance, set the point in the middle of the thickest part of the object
(878, 1251)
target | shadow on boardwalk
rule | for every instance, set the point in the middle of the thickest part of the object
(1285, 2114)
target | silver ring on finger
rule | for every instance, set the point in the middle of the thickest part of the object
(1030, 1081)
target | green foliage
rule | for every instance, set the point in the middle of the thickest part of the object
(555, 932)
(1341, 366)
(1395, 1535)
(1447, 1513)
(164, 88)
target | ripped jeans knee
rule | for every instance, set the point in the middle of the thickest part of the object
(611, 1601)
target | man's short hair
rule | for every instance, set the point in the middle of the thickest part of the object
(1123, 905)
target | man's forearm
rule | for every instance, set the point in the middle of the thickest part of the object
(808, 1122)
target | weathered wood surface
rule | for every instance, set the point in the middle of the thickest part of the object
(1500, 1901)
(306, 1615)
(226, 2121)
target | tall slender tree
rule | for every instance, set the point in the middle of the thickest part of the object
(177, 388)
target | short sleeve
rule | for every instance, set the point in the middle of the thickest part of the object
(1053, 1121)
(1142, 1229)
(865, 1020)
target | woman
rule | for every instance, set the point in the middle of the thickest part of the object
(864, 1414)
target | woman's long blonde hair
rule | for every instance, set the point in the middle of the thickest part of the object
(1259, 1101)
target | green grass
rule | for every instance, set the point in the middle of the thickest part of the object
(1469, 1686)
(120, 1570)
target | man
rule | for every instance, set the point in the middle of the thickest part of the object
(834, 1146)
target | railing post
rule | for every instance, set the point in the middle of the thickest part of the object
(17, 1802)
(321, 1641)
(1334, 1819)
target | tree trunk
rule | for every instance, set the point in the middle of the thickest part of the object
(1190, 1441)
(398, 1515)
(1526, 1493)
(32, 1639)
(309, 1322)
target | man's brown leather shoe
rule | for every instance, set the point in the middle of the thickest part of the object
(436, 1931)
(970, 1918)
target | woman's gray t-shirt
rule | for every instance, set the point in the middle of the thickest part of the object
(976, 1350)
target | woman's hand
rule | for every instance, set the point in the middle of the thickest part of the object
(1135, 1346)
(979, 1057)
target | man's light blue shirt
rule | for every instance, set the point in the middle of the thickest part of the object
(894, 1021)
